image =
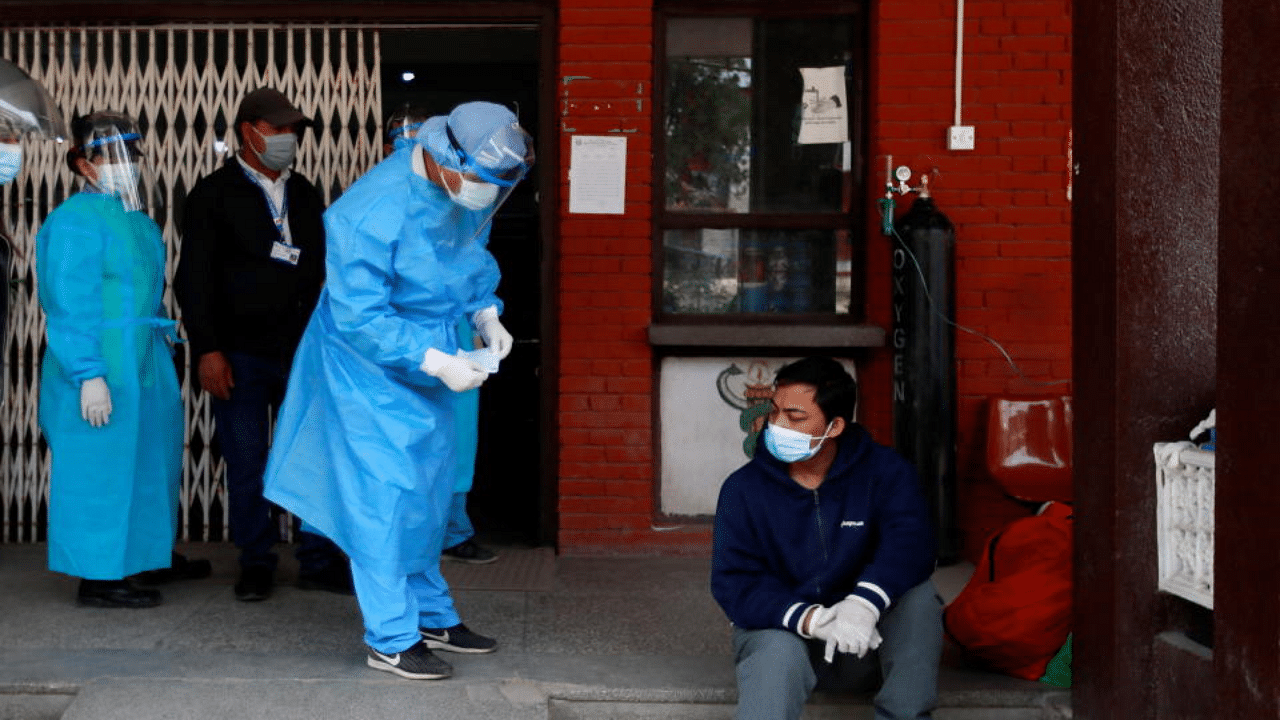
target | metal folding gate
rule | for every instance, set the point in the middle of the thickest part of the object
(183, 84)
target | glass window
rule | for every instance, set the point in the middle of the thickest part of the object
(761, 146)
(739, 270)
(735, 104)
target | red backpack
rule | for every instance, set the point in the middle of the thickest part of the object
(1014, 614)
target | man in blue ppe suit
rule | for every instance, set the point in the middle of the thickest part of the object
(821, 557)
(459, 534)
(110, 406)
(364, 446)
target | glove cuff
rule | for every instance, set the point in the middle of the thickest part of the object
(807, 614)
(484, 315)
(870, 605)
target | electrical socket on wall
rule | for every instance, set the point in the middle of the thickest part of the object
(960, 137)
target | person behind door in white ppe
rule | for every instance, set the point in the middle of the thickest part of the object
(364, 445)
(250, 272)
(822, 553)
(459, 535)
(110, 406)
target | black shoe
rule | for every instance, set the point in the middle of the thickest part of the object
(180, 568)
(115, 594)
(255, 583)
(416, 663)
(335, 578)
(458, 639)
(468, 551)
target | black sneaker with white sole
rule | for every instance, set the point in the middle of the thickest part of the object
(416, 663)
(458, 639)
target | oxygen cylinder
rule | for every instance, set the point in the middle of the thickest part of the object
(924, 381)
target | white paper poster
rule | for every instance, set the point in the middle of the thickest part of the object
(598, 174)
(824, 116)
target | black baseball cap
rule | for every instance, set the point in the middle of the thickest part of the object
(271, 105)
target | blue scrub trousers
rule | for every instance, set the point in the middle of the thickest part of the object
(394, 608)
(778, 670)
(243, 435)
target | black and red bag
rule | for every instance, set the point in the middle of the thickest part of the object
(1014, 614)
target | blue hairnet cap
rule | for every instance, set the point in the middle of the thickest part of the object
(483, 138)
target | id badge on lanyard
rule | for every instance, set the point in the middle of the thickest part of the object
(281, 250)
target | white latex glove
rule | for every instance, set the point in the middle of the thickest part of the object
(495, 336)
(457, 373)
(855, 626)
(822, 626)
(95, 401)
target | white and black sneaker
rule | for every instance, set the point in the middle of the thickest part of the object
(416, 663)
(458, 639)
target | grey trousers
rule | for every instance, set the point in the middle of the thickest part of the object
(778, 670)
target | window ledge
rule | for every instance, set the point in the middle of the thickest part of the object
(742, 335)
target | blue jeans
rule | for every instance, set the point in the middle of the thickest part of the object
(778, 670)
(243, 429)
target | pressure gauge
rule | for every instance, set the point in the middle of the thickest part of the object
(903, 173)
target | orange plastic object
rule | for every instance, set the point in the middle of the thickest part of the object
(1029, 446)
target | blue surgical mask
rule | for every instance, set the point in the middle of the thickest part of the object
(791, 445)
(279, 150)
(10, 162)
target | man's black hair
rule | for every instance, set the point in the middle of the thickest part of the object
(837, 391)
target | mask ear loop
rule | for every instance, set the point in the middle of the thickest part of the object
(814, 451)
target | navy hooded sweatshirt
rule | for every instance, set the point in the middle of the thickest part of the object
(779, 547)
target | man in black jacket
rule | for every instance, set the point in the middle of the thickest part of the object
(250, 273)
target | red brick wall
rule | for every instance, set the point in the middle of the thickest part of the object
(1007, 198)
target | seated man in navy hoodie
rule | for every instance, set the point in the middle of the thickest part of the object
(823, 552)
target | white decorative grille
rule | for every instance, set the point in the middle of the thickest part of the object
(182, 83)
(1184, 521)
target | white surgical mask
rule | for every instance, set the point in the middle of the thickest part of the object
(473, 195)
(119, 179)
(10, 162)
(279, 150)
(791, 445)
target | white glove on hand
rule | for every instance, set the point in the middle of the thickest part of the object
(457, 373)
(822, 626)
(855, 626)
(95, 401)
(495, 336)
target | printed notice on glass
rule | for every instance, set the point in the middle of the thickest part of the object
(824, 116)
(598, 174)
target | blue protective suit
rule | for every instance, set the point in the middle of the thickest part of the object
(364, 442)
(113, 493)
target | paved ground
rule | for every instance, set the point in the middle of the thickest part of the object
(610, 638)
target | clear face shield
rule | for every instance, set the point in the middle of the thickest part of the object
(486, 175)
(112, 146)
(25, 109)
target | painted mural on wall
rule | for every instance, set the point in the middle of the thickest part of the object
(749, 391)
(711, 412)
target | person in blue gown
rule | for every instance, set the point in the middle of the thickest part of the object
(364, 446)
(459, 534)
(110, 405)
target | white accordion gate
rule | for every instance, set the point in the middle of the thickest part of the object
(183, 84)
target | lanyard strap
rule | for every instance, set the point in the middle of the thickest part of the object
(278, 215)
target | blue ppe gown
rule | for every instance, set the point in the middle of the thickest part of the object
(363, 450)
(113, 490)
